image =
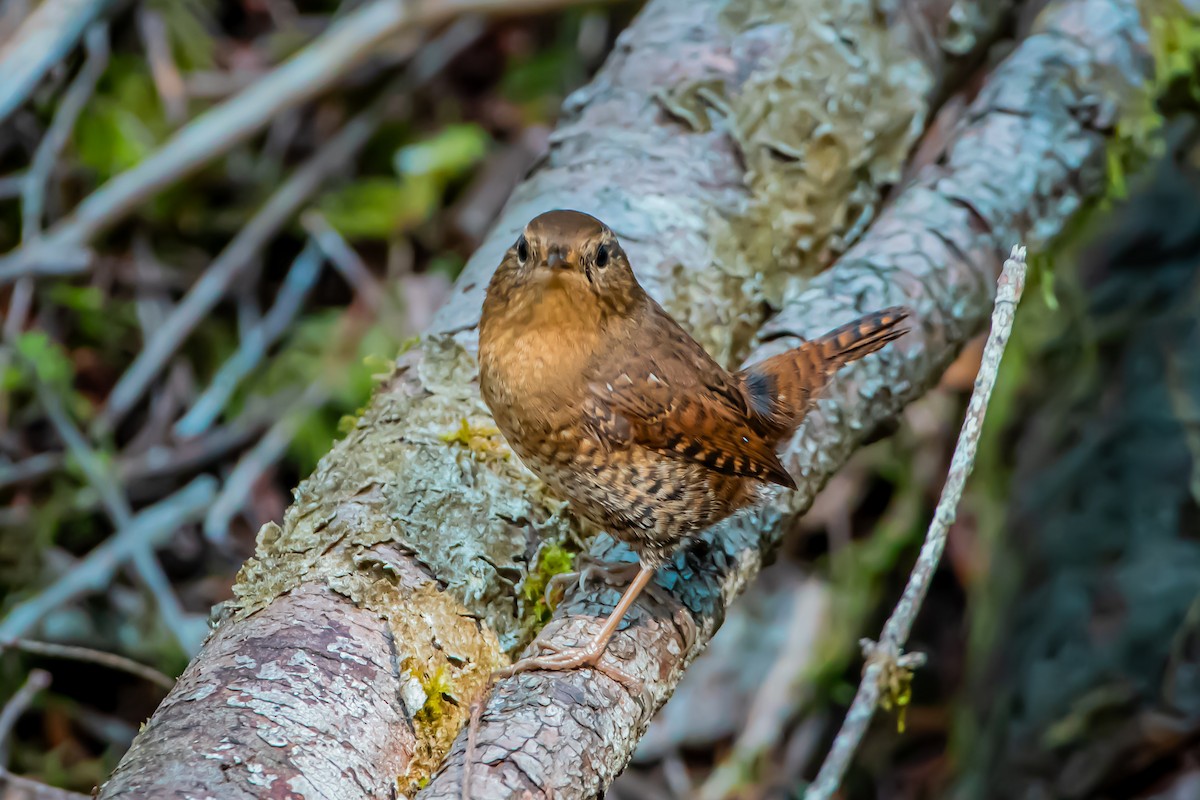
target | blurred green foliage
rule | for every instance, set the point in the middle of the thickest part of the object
(445, 156)
(379, 208)
(376, 207)
(324, 349)
(124, 122)
(190, 25)
(1174, 85)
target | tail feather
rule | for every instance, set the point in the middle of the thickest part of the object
(860, 338)
(781, 389)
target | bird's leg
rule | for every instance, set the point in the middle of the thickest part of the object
(615, 575)
(588, 655)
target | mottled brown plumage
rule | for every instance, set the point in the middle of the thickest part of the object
(611, 403)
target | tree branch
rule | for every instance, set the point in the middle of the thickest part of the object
(395, 572)
(1029, 153)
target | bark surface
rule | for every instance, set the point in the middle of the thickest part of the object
(735, 156)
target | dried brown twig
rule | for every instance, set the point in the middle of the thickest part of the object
(888, 667)
(90, 655)
(18, 704)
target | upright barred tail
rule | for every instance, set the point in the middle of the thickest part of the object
(859, 338)
(782, 388)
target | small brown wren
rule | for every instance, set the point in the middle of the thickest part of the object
(622, 413)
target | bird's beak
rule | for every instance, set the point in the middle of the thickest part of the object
(556, 259)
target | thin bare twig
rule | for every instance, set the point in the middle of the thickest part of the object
(343, 257)
(351, 267)
(151, 528)
(163, 69)
(65, 261)
(887, 664)
(255, 461)
(307, 74)
(255, 342)
(30, 469)
(33, 182)
(282, 205)
(115, 503)
(297, 80)
(91, 656)
(17, 705)
(161, 461)
(238, 255)
(33, 192)
(41, 42)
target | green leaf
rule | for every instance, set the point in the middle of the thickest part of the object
(12, 379)
(378, 208)
(448, 155)
(47, 359)
(545, 74)
(123, 123)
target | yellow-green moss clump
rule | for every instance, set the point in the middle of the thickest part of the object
(553, 559)
(482, 440)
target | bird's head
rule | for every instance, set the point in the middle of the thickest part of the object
(569, 259)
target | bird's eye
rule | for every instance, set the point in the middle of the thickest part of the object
(522, 250)
(602, 256)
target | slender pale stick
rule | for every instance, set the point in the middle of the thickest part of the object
(887, 663)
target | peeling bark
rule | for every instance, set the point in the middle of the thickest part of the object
(409, 544)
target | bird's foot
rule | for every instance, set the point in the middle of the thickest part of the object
(567, 658)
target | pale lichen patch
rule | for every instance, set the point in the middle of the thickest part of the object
(816, 166)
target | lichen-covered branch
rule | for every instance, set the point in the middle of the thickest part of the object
(735, 149)
(1028, 154)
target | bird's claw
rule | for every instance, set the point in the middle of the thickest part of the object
(560, 659)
